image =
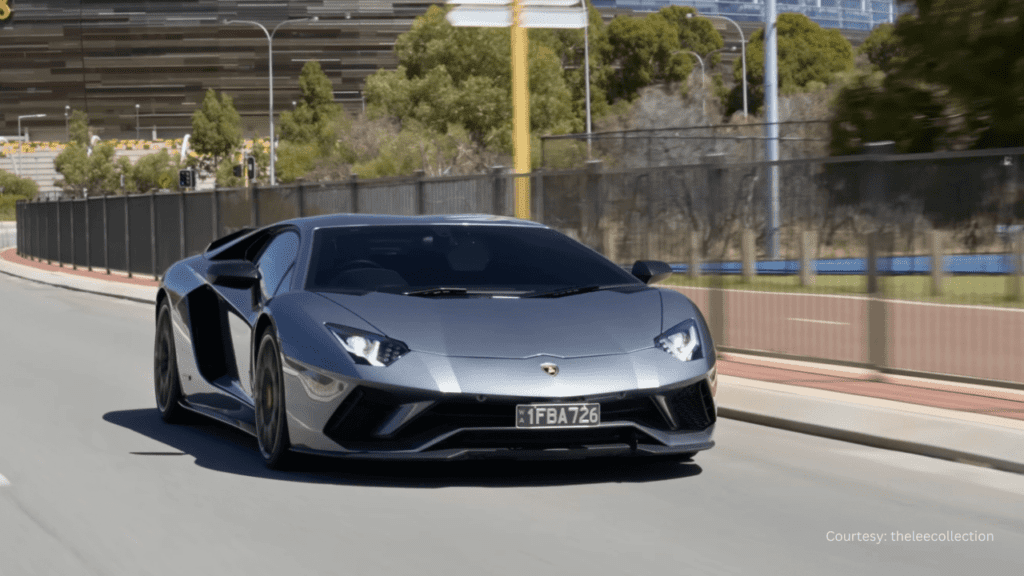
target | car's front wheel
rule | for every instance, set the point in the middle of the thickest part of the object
(271, 424)
(166, 381)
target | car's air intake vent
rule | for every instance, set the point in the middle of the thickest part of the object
(359, 415)
(693, 406)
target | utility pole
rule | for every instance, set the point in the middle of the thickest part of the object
(771, 107)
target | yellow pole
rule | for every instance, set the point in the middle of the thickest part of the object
(520, 113)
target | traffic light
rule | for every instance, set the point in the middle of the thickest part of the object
(237, 170)
(186, 178)
(250, 162)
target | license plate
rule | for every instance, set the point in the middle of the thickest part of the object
(573, 415)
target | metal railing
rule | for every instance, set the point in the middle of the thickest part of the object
(879, 209)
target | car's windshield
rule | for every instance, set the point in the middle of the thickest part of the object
(455, 259)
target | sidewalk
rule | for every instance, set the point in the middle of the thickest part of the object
(981, 425)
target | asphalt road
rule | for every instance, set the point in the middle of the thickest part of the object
(96, 484)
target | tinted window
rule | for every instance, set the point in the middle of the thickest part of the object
(484, 257)
(274, 262)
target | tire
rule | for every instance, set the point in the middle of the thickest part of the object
(271, 416)
(166, 381)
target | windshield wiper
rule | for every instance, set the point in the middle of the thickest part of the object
(438, 291)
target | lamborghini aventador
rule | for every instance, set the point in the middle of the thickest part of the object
(432, 337)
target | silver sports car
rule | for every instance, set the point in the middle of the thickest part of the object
(432, 337)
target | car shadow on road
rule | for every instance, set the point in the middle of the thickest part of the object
(222, 448)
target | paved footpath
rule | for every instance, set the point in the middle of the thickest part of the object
(971, 423)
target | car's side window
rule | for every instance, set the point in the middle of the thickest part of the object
(276, 260)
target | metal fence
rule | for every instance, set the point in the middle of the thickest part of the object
(654, 147)
(684, 214)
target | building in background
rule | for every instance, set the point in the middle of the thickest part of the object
(142, 67)
(843, 14)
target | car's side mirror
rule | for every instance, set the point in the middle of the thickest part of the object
(233, 273)
(651, 271)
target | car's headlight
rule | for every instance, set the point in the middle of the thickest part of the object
(367, 347)
(682, 341)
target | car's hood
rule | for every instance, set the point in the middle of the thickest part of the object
(591, 324)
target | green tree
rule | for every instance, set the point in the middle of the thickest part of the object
(152, 172)
(11, 185)
(875, 107)
(971, 49)
(452, 77)
(86, 168)
(216, 129)
(78, 127)
(809, 56)
(314, 119)
(13, 189)
(87, 171)
(694, 32)
(883, 48)
(644, 51)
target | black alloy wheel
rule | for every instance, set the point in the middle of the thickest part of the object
(271, 425)
(166, 381)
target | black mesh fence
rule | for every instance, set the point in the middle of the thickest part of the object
(234, 209)
(140, 234)
(116, 233)
(95, 241)
(50, 228)
(714, 210)
(168, 230)
(277, 204)
(66, 232)
(79, 209)
(198, 221)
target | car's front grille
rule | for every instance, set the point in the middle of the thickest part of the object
(358, 422)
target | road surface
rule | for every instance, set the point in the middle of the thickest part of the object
(92, 482)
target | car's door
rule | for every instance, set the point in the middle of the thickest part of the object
(273, 259)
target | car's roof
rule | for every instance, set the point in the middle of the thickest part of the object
(313, 222)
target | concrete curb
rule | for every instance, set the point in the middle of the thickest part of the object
(130, 292)
(872, 440)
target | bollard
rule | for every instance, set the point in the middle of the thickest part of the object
(498, 190)
(353, 193)
(420, 200)
(872, 263)
(877, 333)
(695, 253)
(749, 254)
(808, 247)
(936, 241)
(537, 205)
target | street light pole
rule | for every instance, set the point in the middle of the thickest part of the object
(743, 54)
(20, 139)
(771, 108)
(270, 66)
(586, 71)
(136, 121)
(67, 131)
(703, 110)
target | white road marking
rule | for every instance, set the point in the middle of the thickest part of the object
(830, 322)
(4, 481)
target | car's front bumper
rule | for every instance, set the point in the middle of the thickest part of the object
(363, 419)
